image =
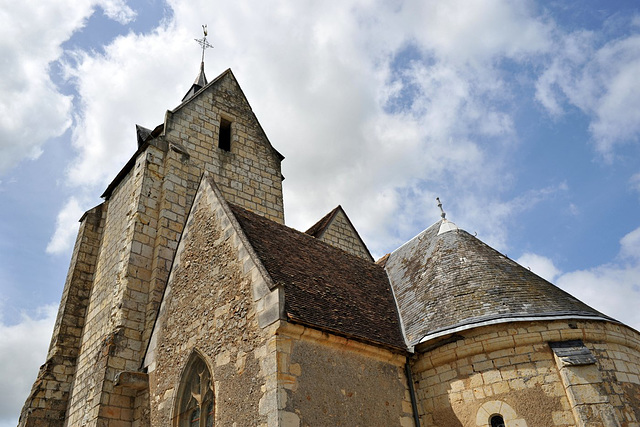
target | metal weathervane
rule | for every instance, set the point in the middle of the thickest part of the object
(203, 41)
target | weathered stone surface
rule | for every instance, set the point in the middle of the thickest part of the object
(57, 372)
(464, 378)
(329, 380)
(209, 300)
(132, 380)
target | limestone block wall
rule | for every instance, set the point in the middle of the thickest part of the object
(209, 308)
(48, 400)
(341, 234)
(328, 380)
(145, 215)
(248, 175)
(617, 352)
(112, 337)
(511, 370)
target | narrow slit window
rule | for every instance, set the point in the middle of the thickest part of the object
(224, 141)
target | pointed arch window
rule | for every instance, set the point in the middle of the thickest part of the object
(195, 403)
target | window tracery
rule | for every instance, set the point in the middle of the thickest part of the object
(195, 404)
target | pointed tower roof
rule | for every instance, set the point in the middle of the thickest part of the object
(199, 83)
(445, 282)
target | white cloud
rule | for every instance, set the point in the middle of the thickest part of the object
(608, 288)
(630, 246)
(23, 349)
(66, 227)
(32, 108)
(461, 31)
(635, 182)
(599, 80)
(329, 88)
(540, 265)
(118, 10)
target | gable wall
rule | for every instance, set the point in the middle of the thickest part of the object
(249, 175)
(510, 369)
(209, 307)
(340, 233)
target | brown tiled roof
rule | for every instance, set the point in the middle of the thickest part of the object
(325, 287)
(454, 281)
(318, 229)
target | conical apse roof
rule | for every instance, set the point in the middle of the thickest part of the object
(451, 281)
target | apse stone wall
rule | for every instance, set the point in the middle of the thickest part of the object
(510, 369)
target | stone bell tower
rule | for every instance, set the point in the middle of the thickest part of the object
(125, 247)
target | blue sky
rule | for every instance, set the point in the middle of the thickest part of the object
(523, 117)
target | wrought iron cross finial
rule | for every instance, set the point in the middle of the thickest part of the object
(440, 206)
(203, 41)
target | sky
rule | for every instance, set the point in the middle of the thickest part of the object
(523, 117)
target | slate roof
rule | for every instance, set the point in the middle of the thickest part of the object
(199, 83)
(325, 287)
(453, 281)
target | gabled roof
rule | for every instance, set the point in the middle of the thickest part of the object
(325, 287)
(452, 281)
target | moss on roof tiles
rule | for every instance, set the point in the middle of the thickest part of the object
(455, 281)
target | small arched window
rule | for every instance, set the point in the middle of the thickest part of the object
(496, 421)
(195, 405)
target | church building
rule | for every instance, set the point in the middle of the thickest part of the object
(189, 302)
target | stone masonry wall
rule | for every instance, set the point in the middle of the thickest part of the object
(146, 214)
(209, 301)
(510, 369)
(47, 403)
(249, 174)
(340, 233)
(111, 326)
(327, 380)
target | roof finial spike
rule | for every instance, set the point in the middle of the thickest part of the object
(442, 213)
